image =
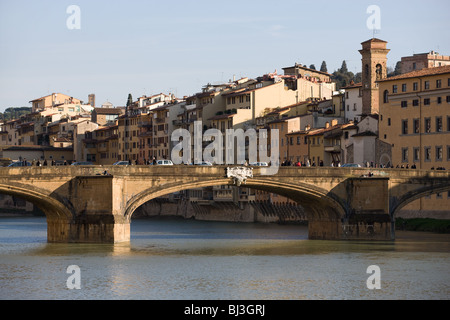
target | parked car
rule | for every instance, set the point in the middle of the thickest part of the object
(164, 162)
(121, 163)
(259, 164)
(204, 163)
(351, 165)
(82, 163)
(20, 164)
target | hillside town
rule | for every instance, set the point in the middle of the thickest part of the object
(401, 121)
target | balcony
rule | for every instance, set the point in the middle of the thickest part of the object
(178, 122)
(333, 149)
(145, 124)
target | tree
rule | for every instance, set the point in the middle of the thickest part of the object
(396, 71)
(343, 67)
(323, 67)
(130, 100)
(312, 67)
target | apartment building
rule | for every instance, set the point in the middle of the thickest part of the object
(415, 118)
(53, 100)
(419, 61)
(415, 121)
(353, 102)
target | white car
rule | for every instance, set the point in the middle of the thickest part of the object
(259, 164)
(164, 163)
(204, 163)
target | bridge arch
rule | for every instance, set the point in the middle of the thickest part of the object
(319, 203)
(54, 208)
(397, 204)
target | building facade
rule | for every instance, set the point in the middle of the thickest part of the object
(415, 121)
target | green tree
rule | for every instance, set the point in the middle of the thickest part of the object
(343, 67)
(312, 67)
(323, 67)
(130, 100)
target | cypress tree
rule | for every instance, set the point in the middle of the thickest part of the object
(323, 67)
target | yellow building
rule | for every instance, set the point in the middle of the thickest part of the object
(415, 120)
(128, 134)
(52, 100)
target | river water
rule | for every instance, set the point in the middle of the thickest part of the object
(197, 260)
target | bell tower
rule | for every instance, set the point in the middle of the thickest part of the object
(374, 65)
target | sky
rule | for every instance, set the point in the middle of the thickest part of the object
(116, 47)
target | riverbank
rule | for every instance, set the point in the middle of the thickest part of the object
(423, 224)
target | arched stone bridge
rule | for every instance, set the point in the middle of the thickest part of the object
(84, 205)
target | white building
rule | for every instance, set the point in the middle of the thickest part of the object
(353, 102)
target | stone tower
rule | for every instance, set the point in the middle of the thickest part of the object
(374, 65)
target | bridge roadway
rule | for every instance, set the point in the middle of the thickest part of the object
(82, 204)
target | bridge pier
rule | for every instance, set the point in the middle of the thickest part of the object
(97, 217)
(368, 217)
(95, 229)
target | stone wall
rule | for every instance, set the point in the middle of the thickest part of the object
(223, 211)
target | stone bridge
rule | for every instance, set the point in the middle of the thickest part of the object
(82, 204)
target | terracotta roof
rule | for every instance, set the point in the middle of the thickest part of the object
(108, 111)
(420, 73)
(374, 40)
(351, 86)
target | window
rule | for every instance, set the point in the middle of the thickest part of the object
(404, 87)
(404, 154)
(448, 99)
(426, 101)
(346, 132)
(427, 85)
(427, 125)
(404, 104)
(427, 153)
(448, 123)
(438, 84)
(439, 152)
(394, 88)
(415, 86)
(404, 126)
(386, 96)
(416, 124)
(448, 154)
(415, 102)
(414, 66)
(389, 122)
(298, 140)
(416, 154)
(439, 100)
(438, 124)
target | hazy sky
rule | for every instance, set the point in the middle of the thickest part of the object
(148, 47)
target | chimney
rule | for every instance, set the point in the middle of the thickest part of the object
(327, 125)
(334, 122)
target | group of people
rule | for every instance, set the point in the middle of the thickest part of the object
(288, 163)
(39, 163)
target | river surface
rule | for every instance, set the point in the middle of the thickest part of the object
(197, 260)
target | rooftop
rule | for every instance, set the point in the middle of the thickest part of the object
(420, 73)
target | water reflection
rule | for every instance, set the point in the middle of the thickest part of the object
(176, 259)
